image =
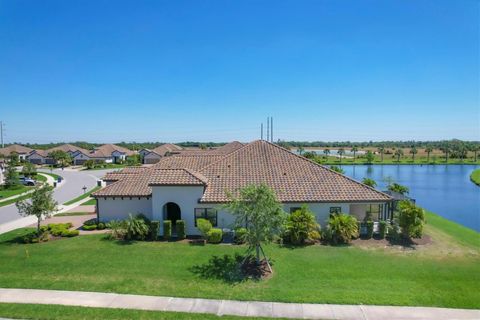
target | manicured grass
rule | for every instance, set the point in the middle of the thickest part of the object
(40, 178)
(445, 273)
(10, 201)
(59, 312)
(90, 202)
(53, 175)
(108, 166)
(83, 196)
(5, 193)
(475, 177)
(69, 214)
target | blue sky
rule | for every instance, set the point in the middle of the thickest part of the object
(107, 71)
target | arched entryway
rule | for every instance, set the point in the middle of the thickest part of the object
(171, 211)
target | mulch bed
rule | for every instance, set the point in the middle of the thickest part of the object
(250, 269)
(375, 242)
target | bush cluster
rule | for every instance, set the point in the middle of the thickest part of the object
(54, 229)
(167, 229)
(301, 227)
(240, 234)
(215, 235)
(136, 227)
(181, 230)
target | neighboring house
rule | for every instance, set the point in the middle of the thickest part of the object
(42, 156)
(153, 156)
(189, 187)
(22, 151)
(108, 153)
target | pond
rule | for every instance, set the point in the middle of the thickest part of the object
(443, 189)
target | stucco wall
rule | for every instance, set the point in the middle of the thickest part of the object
(119, 209)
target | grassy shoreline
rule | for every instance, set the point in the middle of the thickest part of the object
(475, 177)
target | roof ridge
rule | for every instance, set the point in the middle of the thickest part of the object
(226, 156)
(324, 167)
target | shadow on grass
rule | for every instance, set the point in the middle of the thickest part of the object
(226, 268)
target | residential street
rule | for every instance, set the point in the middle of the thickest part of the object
(70, 188)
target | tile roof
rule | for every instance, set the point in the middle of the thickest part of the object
(106, 150)
(180, 177)
(68, 148)
(16, 148)
(293, 178)
(42, 153)
(166, 148)
(119, 174)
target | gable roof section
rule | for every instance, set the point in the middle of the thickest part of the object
(293, 178)
(15, 148)
(41, 153)
(120, 174)
(176, 177)
(106, 150)
(68, 148)
(130, 185)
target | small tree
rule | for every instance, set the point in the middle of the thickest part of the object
(61, 158)
(301, 226)
(337, 169)
(29, 170)
(204, 226)
(370, 157)
(411, 220)
(341, 152)
(41, 205)
(258, 209)
(342, 228)
(326, 151)
(369, 182)
(413, 152)
(11, 177)
(13, 159)
(300, 150)
(354, 150)
(89, 164)
(398, 154)
(381, 150)
(428, 150)
(395, 187)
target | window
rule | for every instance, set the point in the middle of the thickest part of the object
(335, 209)
(206, 213)
(293, 209)
(375, 210)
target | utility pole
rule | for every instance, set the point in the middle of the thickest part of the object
(268, 128)
(271, 128)
(261, 131)
(1, 133)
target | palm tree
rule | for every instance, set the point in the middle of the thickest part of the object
(354, 150)
(475, 149)
(398, 154)
(300, 150)
(381, 149)
(446, 149)
(341, 152)
(413, 152)
(326, 152)
(428, 150)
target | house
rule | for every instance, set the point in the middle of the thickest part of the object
(21, 151)
(153, 156)
(108, 153)
(42, 156)
(189, 187)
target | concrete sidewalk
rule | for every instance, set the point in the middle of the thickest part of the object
(230, 307)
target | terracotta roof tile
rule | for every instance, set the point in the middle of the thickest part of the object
(183, 177)
(15, 148)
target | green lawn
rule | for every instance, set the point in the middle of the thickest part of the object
(69, 214)
(53, 175)
(5, 193)
(90, 202)
(475, 177)
(444, 274)
(59, 312)
(107, 166)
(40, 178)
(83, 196)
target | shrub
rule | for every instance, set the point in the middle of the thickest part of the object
(154, 230)
(382, 229)
(240, 234)
(215, 235)
(369, 224)
(411, 220)
(33, 237)
(70, 233)
(167, 229)
(204, 226)
(89, 227)
(301, 227)
(90, 222)
(101, 226)
(117, 229)
(136, 228)
(57, 229)
(341, 228)
(181, 233)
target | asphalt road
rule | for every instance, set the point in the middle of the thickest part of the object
(70, 188)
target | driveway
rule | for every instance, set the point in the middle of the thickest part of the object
(70, 188)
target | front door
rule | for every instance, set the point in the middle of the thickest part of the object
(171, 211)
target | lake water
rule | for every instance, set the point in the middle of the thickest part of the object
(443, 189)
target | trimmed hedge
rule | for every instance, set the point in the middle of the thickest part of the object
(181, 234)
(215, 235)
(167, 229)
(101, 226)
(382, 229)
(369, 224)
(89, 227)
(239, 237)
(70, 233)
(154, 230)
